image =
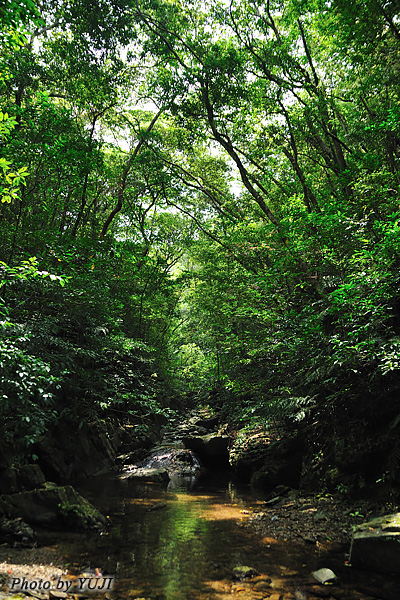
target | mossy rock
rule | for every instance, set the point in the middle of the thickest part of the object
(244, 572)
(55, 507)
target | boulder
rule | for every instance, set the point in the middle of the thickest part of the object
(55, 507)
(177, 461)
(375, 545)
(212, 450)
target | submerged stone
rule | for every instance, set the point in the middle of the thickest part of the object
(157, 506)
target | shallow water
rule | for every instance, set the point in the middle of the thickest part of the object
(181, 545)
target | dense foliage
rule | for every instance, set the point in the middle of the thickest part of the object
(217, 188)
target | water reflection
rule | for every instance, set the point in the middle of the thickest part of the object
(176, 545)
(181, 544)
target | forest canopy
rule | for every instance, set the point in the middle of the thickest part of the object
(200, 197)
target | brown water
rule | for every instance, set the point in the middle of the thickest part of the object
(184, 545)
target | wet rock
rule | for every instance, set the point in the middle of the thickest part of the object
(244, 572)
(177, 461)
(157, 506)
(57, 507)
(324, 575)
(376, 544)
(153, 475)
(211, 449)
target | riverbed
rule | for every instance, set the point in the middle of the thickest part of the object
(184, 543)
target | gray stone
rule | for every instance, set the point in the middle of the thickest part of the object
(153, 475)
(176, 461)
(324, 576)
(376, 544)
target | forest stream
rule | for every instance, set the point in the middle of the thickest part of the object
(181, 544)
